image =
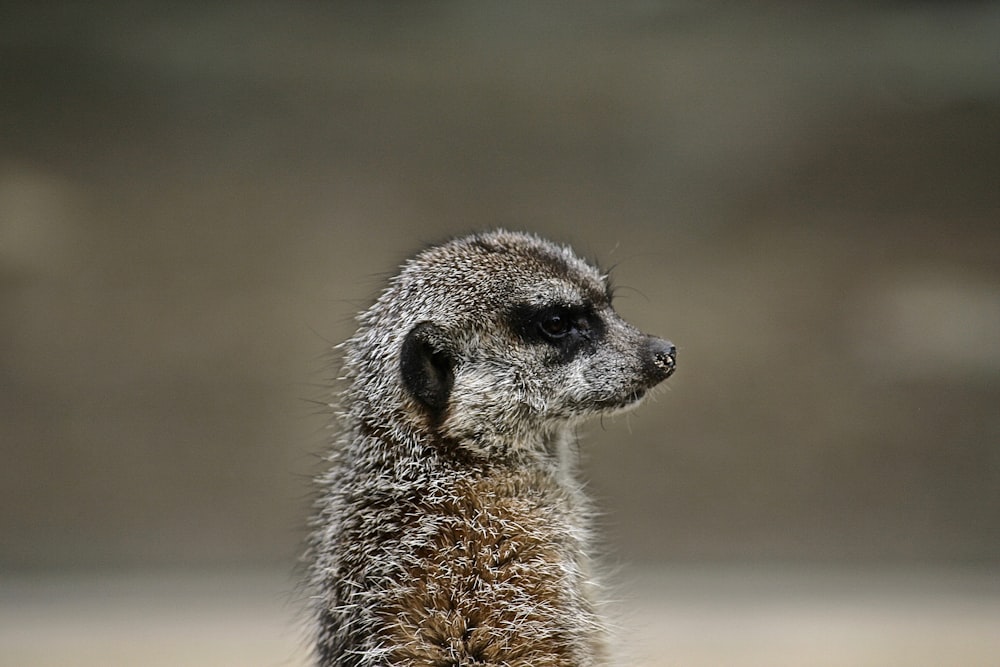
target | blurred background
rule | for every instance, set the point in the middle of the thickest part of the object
(196, 198)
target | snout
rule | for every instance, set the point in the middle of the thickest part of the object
(660, 359)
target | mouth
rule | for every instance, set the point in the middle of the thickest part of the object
(624, 402)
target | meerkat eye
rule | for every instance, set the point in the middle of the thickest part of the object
(555, 325)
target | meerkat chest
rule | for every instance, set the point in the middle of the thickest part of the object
(491, 575)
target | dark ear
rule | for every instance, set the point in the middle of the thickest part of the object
(427, 366)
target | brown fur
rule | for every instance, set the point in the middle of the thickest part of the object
(494, 555)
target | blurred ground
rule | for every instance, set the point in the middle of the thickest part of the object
(195, 199)
(679, 617)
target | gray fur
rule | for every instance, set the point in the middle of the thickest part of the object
(451, 529)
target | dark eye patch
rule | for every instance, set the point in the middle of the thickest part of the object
(565, 327)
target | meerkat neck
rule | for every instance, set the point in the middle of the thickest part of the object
(406, 449)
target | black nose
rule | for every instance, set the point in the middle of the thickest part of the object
(661, 359)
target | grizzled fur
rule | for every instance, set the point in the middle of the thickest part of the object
(451, 530)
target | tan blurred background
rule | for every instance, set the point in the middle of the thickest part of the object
(196, 198)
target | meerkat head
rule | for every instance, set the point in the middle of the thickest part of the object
(494, 340)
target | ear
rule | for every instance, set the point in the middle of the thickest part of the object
(427, 365)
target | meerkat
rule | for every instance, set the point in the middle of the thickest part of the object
(451, 528)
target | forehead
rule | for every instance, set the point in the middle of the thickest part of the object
(529, 269)
(561, 291)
